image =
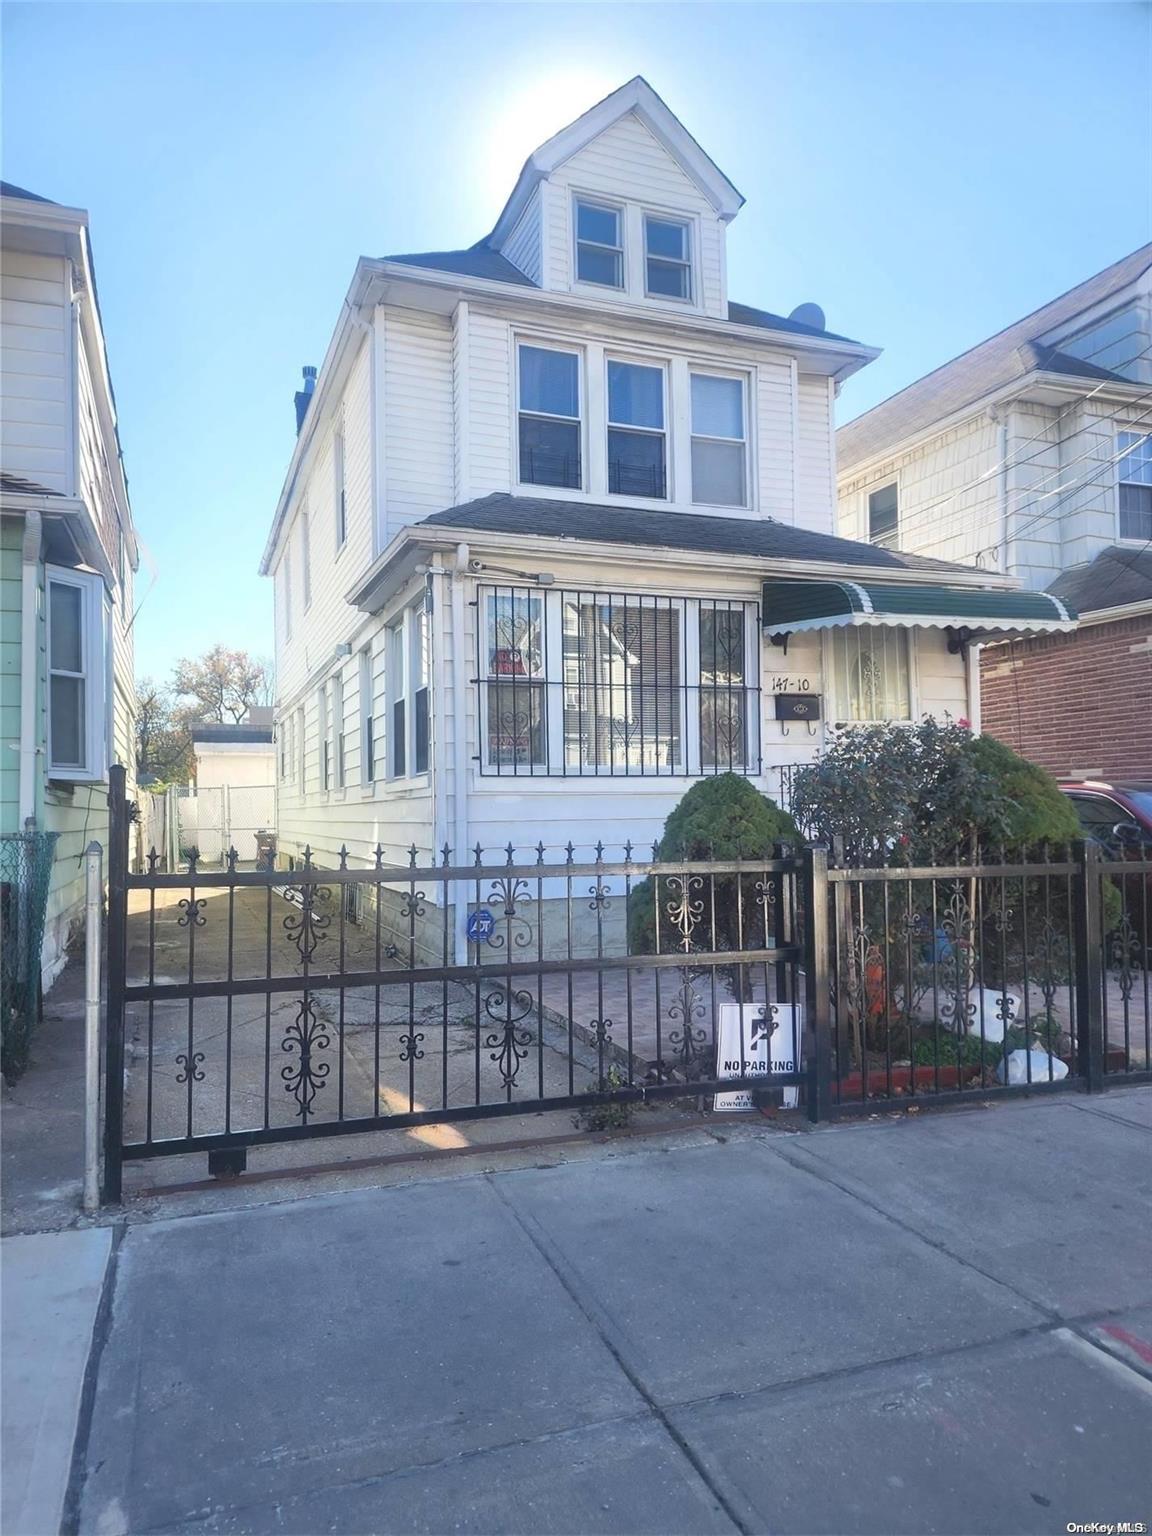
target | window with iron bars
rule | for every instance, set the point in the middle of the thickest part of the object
(588, 683)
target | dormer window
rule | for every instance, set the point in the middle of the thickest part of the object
(599, 244)
(667, 259)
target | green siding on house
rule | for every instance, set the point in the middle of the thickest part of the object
(11, 539)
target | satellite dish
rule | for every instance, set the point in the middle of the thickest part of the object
(809, 314)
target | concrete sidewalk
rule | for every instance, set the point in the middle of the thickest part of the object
(937, 1323)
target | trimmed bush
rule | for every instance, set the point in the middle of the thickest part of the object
(722, 818)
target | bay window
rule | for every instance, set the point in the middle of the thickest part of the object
(719, 441)
(549, 417)
(576, 683)
(77, 653)
(637, 439)
(871, 669)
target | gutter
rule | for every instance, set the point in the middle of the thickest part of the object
(537, 546)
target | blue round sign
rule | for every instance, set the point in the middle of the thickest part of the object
(480, 926)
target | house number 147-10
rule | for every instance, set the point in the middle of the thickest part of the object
(781, 684)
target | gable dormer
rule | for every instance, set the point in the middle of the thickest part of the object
(623, 206)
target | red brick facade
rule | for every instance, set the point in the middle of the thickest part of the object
(1075, 703)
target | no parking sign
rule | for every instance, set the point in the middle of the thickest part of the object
(755, 1040)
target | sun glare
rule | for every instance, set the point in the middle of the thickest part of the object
(532, 113)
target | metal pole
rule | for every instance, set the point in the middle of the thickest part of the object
(117, 963)
(93, 901)
(818, 1020)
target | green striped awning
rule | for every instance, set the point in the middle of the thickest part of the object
(789, 606)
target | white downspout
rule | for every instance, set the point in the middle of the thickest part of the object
(439, 713)
(972, 668)
(460, 747)
(29, 651)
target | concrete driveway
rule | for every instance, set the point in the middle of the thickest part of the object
(932, 1324)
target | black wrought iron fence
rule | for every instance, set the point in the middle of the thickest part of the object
(251, 1006)
(1026, 973)
(260, 1006)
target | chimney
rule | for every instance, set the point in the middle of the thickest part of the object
(304, 398)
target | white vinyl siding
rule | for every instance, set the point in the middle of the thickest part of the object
(626, 166)
(35, 319)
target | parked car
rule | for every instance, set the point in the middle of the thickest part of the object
(1117, 816)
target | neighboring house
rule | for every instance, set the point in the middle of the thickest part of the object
(232, 804)
(239, 756)
(1031, 455)
(69, 554)
(557, 535)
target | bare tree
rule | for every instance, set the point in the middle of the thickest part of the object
(163, 737)
(222, 685)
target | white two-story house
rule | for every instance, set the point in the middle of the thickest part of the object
(67, 557)
(557, 537)
(1031, 454)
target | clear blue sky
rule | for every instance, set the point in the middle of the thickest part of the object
(926, 172)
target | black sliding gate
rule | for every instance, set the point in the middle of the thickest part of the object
(257, 1006)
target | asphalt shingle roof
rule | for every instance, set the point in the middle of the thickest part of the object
(993, 364)
(1117, 575)
(480, 260)
(9, 189)
(23, 487)
(762, 538)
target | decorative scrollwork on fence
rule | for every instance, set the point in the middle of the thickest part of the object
(411, 1046)
(508, 1045)
(1125, 956)
(690, 1042)
(306, 923)
(189, 1065)
(413, 904)
(192, 908)
(304, 1077)
(506, 892)
(683, 910)
(601, 894)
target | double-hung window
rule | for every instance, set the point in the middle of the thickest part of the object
(582, 683)
(420, 669)
(667, 258)
(871, 669)
(512, 681)
(549, 427)
(337, 708)
(306, 558)
(1135, 478)
(396, 683)
(76, 657)
(286, 593)
(637, 437)
(599, 244)
(883, 516)
(719, 441)
(324, 737)
(367, 707)
(339, 491)
(302, 749)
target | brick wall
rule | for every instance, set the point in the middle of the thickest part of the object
(1075, 703)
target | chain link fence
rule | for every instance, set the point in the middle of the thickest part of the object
(25, 875)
